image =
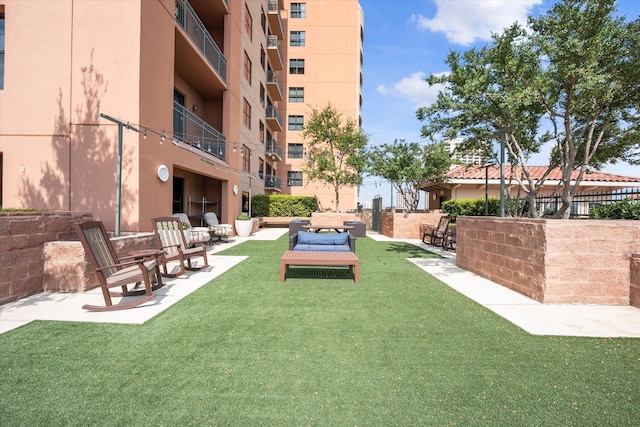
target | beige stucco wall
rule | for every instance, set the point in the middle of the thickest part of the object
(332, 74)
(97, 57)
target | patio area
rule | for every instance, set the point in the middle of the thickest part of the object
(532, 316)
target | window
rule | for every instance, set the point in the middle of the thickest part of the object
(296, 66)
(295, 151)
(1, 51)
(263, 21)
(248, 22)
(296, 122)
(297, 38)
(263, 58)
(247, 67)
(296, 94)
(298, 10)
(262, 94)
(294, 179)
(261, 131)
(246, 114)
(261, 168)
(246, 158)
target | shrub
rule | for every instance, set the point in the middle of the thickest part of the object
(470, 207)
(283, 205)
(622, 209)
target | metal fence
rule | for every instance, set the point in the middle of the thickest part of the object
(582, 204)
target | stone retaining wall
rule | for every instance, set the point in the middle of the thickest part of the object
(634, 290)
(552, 261)
(22, 238)
(403, 225)
(66, 268)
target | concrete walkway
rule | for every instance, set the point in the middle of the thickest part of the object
(532, 316)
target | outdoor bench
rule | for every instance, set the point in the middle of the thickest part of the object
(322, 242)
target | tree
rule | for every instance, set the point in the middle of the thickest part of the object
(570, 80)
(407, 165)
(335, 150)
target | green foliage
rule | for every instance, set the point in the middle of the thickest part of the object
(243, 217)
(570, 80)
(407, 165)
(21, 210)
(475, 207)
(470, 207)
(274, 205)
(335, 150)
(622, 209)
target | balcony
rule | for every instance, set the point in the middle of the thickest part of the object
(194, 131)
(274, 121)
(189, 62)
(273, 52)
(274, 88)
(275, 21)
(272, 182)
(273, 149)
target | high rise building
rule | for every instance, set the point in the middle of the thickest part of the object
(142, 108)
(469, 158)
(324, 58)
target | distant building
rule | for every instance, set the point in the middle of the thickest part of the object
(472, 158)
(468, 182)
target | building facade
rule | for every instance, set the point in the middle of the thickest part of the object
(137, 109)
(324, 59)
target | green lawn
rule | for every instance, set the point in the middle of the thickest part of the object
(400, 348)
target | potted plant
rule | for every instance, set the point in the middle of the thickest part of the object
(244, 225)
(186, 231)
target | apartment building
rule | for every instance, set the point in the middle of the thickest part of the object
(324, 54)
(141, 108)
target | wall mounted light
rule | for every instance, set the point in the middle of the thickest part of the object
(163, 173)
(194, 108)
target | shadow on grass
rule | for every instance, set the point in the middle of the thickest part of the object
(411, 251)
(319, 273)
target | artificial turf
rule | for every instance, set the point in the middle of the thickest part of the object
(400, 348)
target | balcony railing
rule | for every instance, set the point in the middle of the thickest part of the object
(272, 182)
(275, 21)
(191, 129)
(187, 18)
(273, 51)
(273, 117)
(273, 149)
(273, 86)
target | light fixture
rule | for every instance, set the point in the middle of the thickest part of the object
(144, 135)
(194, 108)
(162, 137)
(163, 173)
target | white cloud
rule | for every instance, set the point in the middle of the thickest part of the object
(413, 88)
(465, 21)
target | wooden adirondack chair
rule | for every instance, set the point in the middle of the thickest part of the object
(437, 235)
(170, 239)
(117, 272)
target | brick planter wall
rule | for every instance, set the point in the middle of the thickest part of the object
(66, 268)
(552, 261)
(403, 225)
(22, 238)
(634, 290)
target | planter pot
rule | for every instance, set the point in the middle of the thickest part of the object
(243, 228)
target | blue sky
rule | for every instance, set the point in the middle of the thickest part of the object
(407, 40)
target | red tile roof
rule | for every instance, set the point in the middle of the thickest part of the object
(478, 172)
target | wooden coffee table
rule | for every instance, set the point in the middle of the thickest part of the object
(317, 258)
